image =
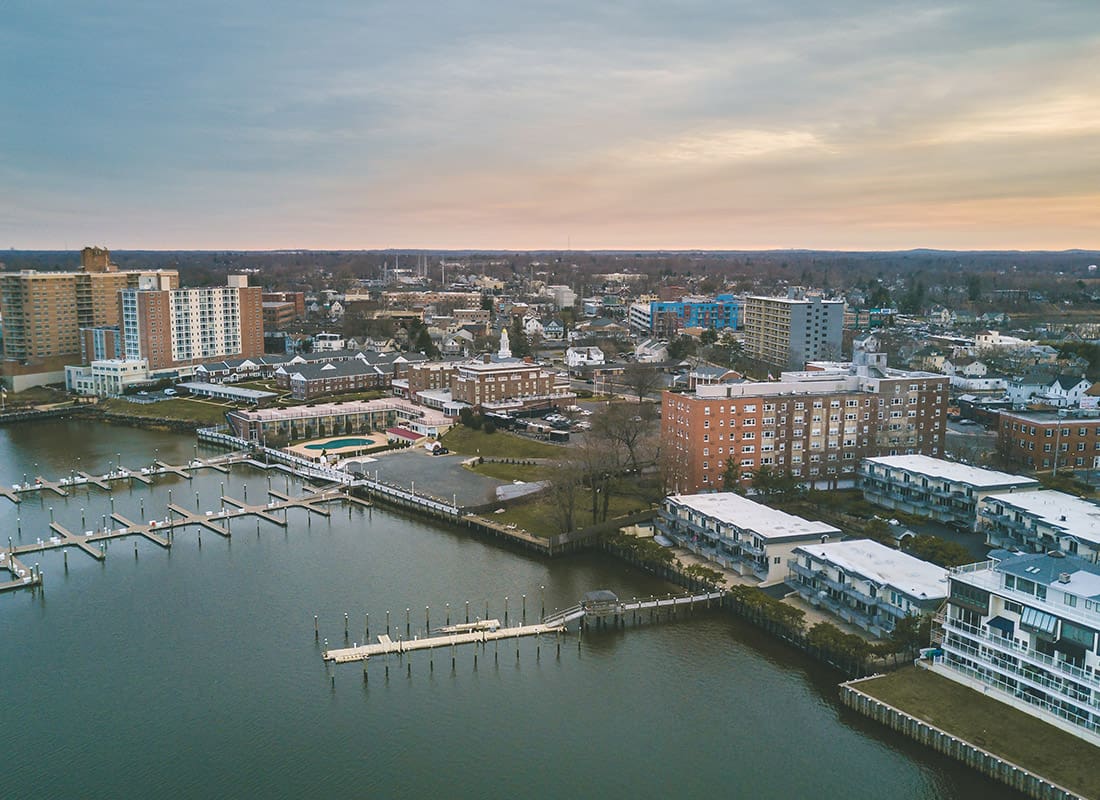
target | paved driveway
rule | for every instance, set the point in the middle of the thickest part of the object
(443, 477)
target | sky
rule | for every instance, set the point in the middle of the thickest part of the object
(507, 124)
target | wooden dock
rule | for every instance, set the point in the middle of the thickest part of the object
(145, 475)
(161, 532)
(491, 632)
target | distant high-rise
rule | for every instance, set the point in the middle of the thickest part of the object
(43, 314)
(789, 332)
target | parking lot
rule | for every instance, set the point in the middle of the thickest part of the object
(443, 477)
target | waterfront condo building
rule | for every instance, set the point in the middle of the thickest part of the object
(1047, 441)
(788, 332)
(1041, 521)
(170, 327)
(932, 487)
(737, 533)
(866, 583)
(816, 425)
(1023, 629)
(44, 312)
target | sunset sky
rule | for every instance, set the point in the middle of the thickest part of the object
(270, 124)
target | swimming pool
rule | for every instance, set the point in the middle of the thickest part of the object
(336, 444)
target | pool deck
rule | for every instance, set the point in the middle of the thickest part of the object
(305, 450)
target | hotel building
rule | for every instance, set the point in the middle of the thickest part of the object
(44, 312)
(170, 327)
(789, 332)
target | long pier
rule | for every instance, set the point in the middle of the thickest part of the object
(482, 631)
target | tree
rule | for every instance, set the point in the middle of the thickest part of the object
(425, 344)
(974, 288)
(486, 302)
(628, 428)
(708, 337)
(731, 477)
(517, 339)
(938, 551)
(680, 348)
(641, 379)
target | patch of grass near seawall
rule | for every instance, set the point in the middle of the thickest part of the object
(1001, 729)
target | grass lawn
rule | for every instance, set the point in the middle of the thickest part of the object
(534, 516)
(1013, 735)
(511, 472)
(197, 411)
(34, 396)
(501, 444)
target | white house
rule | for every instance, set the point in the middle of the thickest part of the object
(553, 331)
(532, 326)
(583, 357)
(649, 351)
(1065, 391)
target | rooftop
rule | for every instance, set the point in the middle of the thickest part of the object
(225, 390)
(1084, 576)
(953, 471)
(311, 410)
(1066, 512)
(769, 523)
(884, 566)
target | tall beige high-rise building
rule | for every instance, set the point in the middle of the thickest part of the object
(788, 332)
(43, 313)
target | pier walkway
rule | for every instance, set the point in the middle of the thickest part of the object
(487, 632)
(483, 631)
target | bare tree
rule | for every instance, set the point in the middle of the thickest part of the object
(641, 379)
(631, 428)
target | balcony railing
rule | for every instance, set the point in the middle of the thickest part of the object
(986, 675)
(1014, 647)
(1021, 672)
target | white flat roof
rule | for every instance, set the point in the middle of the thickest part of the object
(766, 522)
(1077, 517)
(953, 471)
(884, 566)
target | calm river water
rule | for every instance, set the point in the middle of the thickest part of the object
(194, 673)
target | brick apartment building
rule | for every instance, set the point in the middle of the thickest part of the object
(169, 327)
(282, 308)
(1034, 439)
(44, 312)
(817, 425)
